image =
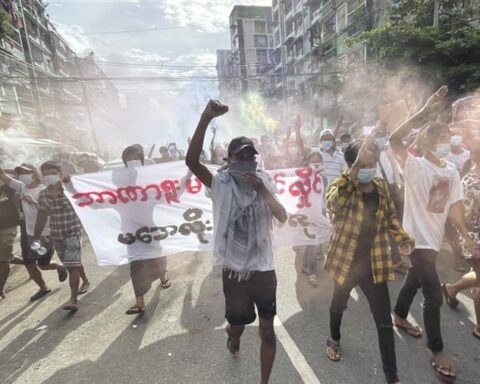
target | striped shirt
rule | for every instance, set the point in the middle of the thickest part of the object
(333, 164)
(345, 201)
(64, 222)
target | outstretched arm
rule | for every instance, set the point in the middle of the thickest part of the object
(213, 109)
(416, 120)
(338, 124)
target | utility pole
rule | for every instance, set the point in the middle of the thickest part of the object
(436, 11)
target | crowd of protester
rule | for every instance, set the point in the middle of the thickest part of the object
(393, 197)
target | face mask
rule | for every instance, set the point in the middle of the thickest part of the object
(51, 180)
(456, 141)
(26, 179)
(316, 165)
(366, 175)
(242, 166)
(134, 163)
(381, 142)
(442, 150)
(327, 145)
(345, 146)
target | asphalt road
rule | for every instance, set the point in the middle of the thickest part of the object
(181, 338)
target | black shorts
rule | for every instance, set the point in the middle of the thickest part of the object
(30, 257)
(241, 297)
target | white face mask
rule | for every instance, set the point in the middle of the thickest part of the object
(134, 163)
(51, 180)
(26, 179)
(316, 165)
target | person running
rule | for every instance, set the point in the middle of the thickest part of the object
(244, 206)
(433, 192)
(471, 187)
(364, 215)
(65, 229)
(29, 186)
(143, 272)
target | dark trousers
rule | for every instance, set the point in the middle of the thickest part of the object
(379, 301)
(423, 274)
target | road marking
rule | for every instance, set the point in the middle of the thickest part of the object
(354, 294)
(294, 354)
(469, 306)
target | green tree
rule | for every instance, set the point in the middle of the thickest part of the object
(449, 53)
(5, 24)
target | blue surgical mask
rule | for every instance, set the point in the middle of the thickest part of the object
(381, 142)
(442, 150)
(327, 145)
(366, 175)
(26, 179)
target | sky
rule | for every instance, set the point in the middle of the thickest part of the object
(183, 36)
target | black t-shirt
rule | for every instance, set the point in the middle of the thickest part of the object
(8, 210)
(368, 229)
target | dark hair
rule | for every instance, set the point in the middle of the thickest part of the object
(351, 152)
(136, 150)
(345, 137)
(50, 165)
(163, 149)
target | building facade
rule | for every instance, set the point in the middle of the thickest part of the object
(252, 62)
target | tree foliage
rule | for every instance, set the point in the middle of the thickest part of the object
(6, 28)
(449, 53)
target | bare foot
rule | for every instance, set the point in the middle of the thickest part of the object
(71, 305)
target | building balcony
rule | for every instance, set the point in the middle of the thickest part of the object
(278, 66)
(316, 17)
(290, 37)
(289, 14)
(290, 59)
(355, 5)
(12, 46)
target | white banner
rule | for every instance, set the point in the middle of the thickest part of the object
(159, 210)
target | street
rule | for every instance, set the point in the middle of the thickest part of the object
(181, 338)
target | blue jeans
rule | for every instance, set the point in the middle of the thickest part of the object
(310, 259)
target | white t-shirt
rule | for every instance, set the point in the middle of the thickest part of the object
(30, 210)
(390, 167)
(333, 165)
(458, 160)
(429, 192)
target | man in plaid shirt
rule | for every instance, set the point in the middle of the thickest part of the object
(359, 254)
(65, 229)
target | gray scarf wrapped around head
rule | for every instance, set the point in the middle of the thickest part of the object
(249, 225)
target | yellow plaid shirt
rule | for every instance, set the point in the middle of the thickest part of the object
(345, 202)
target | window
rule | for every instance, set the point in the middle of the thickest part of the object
(260, 26)
(262, 56)
(270, 41)
(260, 41)
(328, 28)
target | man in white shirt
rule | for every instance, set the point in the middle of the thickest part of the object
(458, 154)
(433, 192)
(244, 206)
(28, 186)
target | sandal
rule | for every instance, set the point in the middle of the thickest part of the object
(332, 349)
(135, 310)
(451, 301)
(233, 347)
(166, 284)
(312, 279)
(443, 373)
(475, 334)
(40, 293)
(71, 307)
(84, 288)
(412, 330)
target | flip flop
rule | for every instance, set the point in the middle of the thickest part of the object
(475, 334)
(451, 301)
(62, 274)
(166, 284)
(232, 346)
(71, 307)
(333, 346)
(411, 330)
(449, 378)
(135, 310)
(84, 288)
(40, 293)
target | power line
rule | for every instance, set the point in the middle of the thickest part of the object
(122, 32)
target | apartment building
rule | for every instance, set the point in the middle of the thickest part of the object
(225, 72)
(252, 61)
(310, 51)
